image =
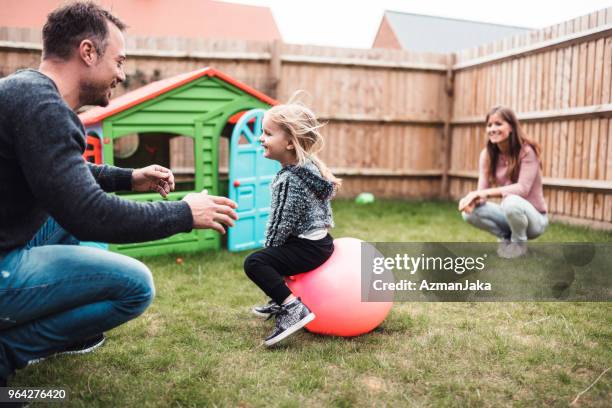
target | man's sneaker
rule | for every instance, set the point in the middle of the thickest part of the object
(289, 319)
(16, 404)
(268, 310)
(80, 347)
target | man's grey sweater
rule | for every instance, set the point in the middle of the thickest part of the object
(300, 203)
(42, 173)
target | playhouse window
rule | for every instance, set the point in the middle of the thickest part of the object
(182, 162)
(172, 151)
(224, 151)
(126, 146)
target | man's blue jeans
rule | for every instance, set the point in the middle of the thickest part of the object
(54, 292)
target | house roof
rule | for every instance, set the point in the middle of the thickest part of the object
(157, 88)
(177, 18)
(422, 33)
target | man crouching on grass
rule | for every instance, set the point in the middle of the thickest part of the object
(56, 296)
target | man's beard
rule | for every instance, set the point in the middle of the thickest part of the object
(94, 94)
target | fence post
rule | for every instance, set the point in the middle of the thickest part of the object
(275, 67)
(447, 139)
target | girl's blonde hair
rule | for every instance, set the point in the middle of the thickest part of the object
(303, 129)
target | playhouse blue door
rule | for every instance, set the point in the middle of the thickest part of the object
(250, 175)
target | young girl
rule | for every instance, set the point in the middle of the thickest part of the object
(297, 238)
(510, 168)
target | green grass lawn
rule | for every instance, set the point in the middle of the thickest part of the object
(198, 344)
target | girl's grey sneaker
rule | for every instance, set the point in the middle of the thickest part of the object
(81, 347)
(289, 319)
(268, 310)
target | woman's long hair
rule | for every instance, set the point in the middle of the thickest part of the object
(517, 140)
(303, 129)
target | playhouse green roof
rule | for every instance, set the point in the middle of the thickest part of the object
(154, 89)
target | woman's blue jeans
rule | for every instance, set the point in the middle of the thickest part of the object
(516, 219)
(54, 292)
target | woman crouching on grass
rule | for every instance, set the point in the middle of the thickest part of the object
(509, 167)
(297, 238)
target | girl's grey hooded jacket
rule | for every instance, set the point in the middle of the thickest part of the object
(301, 202)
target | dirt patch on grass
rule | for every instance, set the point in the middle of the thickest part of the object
(154, 324)
(535, 341)
(374, 384)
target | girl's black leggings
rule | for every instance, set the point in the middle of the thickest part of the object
(266, 268)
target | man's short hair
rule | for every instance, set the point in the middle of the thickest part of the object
(67, 26)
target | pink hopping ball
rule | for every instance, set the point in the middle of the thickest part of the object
(333, 293)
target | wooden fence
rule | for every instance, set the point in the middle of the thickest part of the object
(409, 125)
(383, 107)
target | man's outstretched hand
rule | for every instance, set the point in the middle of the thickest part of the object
(211, 211)
(153, 178)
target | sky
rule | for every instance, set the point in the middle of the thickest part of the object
(353, 24)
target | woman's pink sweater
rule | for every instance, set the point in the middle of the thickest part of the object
(529, 184)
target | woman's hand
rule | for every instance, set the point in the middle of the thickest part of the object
(469, 202)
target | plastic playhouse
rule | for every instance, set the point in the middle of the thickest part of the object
(200, 107)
